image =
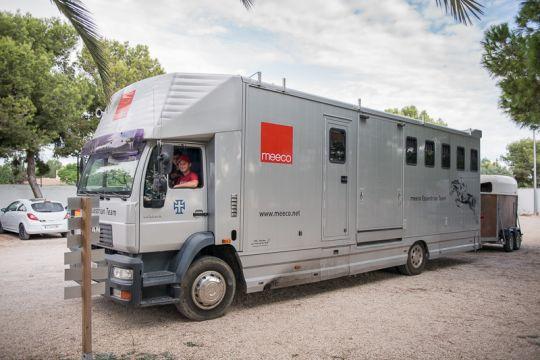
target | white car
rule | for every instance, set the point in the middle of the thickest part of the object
(34, 216)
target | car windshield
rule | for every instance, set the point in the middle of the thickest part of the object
(109, 174)
(47, 207)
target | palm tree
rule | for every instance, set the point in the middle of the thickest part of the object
(81, 19)
(462, 9)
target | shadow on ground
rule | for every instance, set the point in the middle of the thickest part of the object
(138, 316)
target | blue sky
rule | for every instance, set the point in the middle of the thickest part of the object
(390, 53)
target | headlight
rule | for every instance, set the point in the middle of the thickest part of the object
(122, 274)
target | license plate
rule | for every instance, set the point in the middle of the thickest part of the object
(51, 226)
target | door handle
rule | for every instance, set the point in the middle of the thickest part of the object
(344, 179)
(199, 213)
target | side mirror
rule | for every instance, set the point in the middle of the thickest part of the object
(3, 210)
(159, 184)
(164, 159)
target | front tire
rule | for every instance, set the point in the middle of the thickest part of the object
(207, 289)
(23, 235)
(416, 260)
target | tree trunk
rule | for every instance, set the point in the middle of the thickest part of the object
(31, 173)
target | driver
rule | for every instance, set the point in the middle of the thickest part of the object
(187, 178)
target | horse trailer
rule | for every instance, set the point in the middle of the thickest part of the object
(499, 214)
(281, 188)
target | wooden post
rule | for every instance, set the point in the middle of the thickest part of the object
(86, 291)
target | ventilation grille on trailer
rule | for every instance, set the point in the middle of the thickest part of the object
(105, 234)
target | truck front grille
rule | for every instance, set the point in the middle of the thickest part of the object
(105, 234)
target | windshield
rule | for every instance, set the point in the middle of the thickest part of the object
(47, 207)
(109, 174)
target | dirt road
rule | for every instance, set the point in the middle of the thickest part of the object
(483, 305)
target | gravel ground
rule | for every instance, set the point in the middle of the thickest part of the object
(483, 305)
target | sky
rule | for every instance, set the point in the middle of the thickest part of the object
(389, 53)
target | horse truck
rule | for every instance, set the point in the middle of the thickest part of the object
(292, 188)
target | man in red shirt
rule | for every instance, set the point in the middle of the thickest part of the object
(187, 179)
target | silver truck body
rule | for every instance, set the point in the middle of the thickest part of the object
(303, 188)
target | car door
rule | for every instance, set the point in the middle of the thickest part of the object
(9, 217)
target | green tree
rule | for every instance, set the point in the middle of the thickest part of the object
(127, 64)
(519, 157)
(42, 98)
(412, 112)
(68, 174)
(54, 165)
(489, 167)
(512, 56)
(11, 173)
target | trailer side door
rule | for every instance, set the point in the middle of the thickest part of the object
(335, 224)
(380, 180)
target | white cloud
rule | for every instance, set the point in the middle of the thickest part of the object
(386, 52)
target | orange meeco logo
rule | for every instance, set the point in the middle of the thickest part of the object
(276, 143)
(123, 105)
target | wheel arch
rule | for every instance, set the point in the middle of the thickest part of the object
(202, 244)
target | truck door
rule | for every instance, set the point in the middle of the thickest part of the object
(336, 180)
(185, 209)
(380, 180)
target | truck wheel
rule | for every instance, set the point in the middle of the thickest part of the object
(517, 240)
(207, 289)
(416, 260)
(508, 245)
(23, 235)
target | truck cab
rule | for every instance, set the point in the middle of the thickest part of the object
(155, 230)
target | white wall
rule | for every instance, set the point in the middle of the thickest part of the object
(525, 200)
(9, 193)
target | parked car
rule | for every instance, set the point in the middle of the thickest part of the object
(34, 216)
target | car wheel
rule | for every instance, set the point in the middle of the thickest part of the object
(207, 289)
(416, 260)
(508, 245)
(64, 234)
(22, 233)
(517, 240)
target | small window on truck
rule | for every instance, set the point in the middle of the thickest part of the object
(445, 156)
(429, 154)
(337, 151)
(411, 151)
(192, 156)
(474, 160)
(460, 163)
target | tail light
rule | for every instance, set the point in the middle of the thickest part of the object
(32, 216)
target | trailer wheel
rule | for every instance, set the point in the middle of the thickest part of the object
(517, 240)
(416, 260)
(23, 235)
(508, 245)
(207, 289)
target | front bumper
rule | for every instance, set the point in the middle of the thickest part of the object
(133, 286)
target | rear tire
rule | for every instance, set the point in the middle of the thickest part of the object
(508, 245)
(64, 234)
(23, 235)
(517, 240)
(207, 289)
(416, 260)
